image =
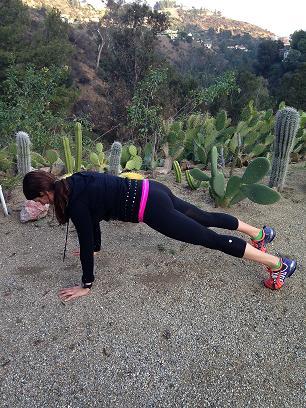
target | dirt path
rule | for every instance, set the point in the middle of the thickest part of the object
(167, 324)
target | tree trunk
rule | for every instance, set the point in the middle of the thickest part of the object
(100, 48)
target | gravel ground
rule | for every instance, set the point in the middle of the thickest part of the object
(166, 325)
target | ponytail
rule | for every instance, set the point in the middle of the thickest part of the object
(61, 197)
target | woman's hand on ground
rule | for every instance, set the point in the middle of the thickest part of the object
(73, 293)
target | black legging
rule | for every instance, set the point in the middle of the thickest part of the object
(182, 221)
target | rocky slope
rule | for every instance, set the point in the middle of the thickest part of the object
(76, 10)
(72, 10)
(205, 20)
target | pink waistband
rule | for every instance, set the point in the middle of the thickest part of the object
(143, 200)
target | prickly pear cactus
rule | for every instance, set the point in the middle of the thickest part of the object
(238, 188)
(23, 153)
(98, 158)
(130, 159)
(115, 158)
(286, 127)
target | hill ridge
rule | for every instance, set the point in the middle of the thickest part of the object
(181, 18)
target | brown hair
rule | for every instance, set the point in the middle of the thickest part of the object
(38, 181)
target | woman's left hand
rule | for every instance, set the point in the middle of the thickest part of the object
(73, 293)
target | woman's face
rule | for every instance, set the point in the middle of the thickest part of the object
(45, 198)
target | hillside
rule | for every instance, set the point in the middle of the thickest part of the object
(72, 10)
(182, 19)
(197, 20)
(100, 99)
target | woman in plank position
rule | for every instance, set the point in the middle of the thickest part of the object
(87, 198)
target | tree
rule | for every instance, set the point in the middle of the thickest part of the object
(132, 32)
(50, 43)
(290, 84)
(292, 60)
(292, 90)
(250, 87)
(36, 101)
(145, 112)
(268, 54)
(298, 42)
(44, 44)
(164, 4)
(14, 27)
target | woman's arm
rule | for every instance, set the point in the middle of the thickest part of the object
(97, 236)
(97, 239)
(82, 220)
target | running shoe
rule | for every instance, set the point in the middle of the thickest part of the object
(268, 236)
(277, 278)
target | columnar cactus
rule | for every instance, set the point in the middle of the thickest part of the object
(69, 161)
(286, 127)
(78, 140)
(73, 164)
(192, 183)
(114, 159)
(177, 171)
(23, 153)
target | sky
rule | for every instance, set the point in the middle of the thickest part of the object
(280, 17)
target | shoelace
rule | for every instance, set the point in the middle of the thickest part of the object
(274, 273)
(256, 244)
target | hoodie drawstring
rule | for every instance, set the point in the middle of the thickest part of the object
(67, 230)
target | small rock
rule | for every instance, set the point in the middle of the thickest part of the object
(46, 169)
(186, 165)
(32, 211)
(166, 334)
(58, 169)
(106, 352)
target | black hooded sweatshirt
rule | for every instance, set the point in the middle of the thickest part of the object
(94, 197)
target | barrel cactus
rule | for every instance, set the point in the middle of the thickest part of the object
(238, 188)
(23, 144)
(114, 159)
(286, 127)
